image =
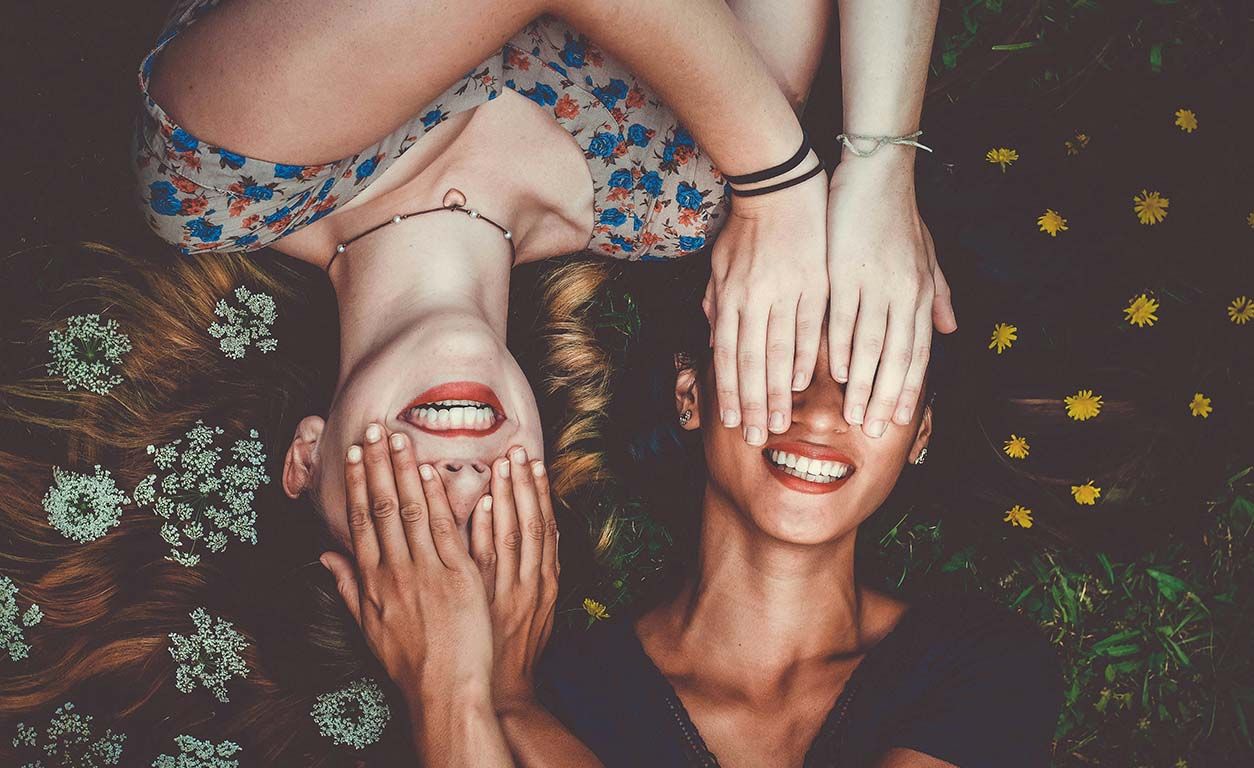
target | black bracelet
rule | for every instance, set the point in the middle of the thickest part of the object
(778, 170)
(815, 171)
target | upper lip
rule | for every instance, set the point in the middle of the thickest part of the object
(810, 451)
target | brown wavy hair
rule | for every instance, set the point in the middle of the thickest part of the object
(110, 604)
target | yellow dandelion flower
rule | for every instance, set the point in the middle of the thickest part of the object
(1140, 311)
(595, 610)
(1018, 516)
(1085, 494)
(1083, 404)
(1150, 207)
(1186, 120)
(1249, 219)
(1003, 336)
(1017, 447)
(1241, 310)
(1182, 763)
(1002, 156)
(1051, 222)
(1075, 144)
(1200, 405)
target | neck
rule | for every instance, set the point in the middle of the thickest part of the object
(403, 274)
(768, 603)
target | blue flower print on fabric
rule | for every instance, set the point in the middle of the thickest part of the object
(542, 94)
(651, 182)
(688, 244)
(202, 229)
(228, 159)
(603, 144)
(638, 135)
(688, 196)
(259, 192)
(162, 198)
(623, 243)
(610, 95)
(621, 179)
(183, 141)
(433, 118)
(367, 168)
(573, 52)
(282, 171)
(613, 217)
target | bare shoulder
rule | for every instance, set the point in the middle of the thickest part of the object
(909, 758)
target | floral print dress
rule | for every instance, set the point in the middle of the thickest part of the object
(656, 196)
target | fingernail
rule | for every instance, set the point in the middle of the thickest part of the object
(354, 454)
(877, 428)
(502, 468)
(486, 504)
(398, 441)
(537, 469)
(753, 436)
(323, 560)
(777, 421)
(426, 471)
(798, 382)
(842, 374)
(373, 433)
(730, 418)
(903, 414)
(519, 455)
(858, 412)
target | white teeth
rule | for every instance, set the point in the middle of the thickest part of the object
(814, 470)
(456, 417)
(455, 414)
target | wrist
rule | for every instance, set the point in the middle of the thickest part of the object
(891, 165)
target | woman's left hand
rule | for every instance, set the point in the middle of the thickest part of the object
(887, 290)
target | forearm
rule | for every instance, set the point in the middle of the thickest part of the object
(885, 47)
(458, 732)
(539, 740)
(695, 55)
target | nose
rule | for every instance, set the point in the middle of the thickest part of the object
(465, 482)
(820, 408)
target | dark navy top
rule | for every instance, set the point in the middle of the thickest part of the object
(960, 678)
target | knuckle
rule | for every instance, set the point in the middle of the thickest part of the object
(413, 511)
(780, 348)
(359, 516)
(748, 358)
(383, 508)
(513, 540)
(550, 529)
(872, 343)
(486, 561)
(443, 526)
(536, 530)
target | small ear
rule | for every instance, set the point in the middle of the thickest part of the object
(923, 435)
(687, 398)
(302, 456)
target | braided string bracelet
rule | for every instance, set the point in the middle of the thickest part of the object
(880, 141)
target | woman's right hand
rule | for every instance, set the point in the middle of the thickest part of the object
(415, 591)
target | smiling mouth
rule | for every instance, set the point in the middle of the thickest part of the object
(806, 469)
(456, 409)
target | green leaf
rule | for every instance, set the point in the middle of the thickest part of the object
(1156, 57)
(950, 59)
(1115, 639)
(1243, 506)
(1169, 586)
(1117, 651)
(1015, 46)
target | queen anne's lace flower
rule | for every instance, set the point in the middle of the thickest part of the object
(201, 498)
(248, 323)
(12, 634)
(210, 656)
(68, 741)
(195, 753)
(83, 507)
(355, 715)
(86, 351)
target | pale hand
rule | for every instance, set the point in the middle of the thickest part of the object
(765, 302)
(887, 291)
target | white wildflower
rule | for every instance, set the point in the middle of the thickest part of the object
(248, 323)
(196, 753)
(12, 635)
(68, 741)
(355, 715)
(210, 656)
(83, 507)
(201, 497)
(85, 352)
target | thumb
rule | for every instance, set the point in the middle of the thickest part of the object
(345, 581)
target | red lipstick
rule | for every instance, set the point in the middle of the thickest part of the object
(809, 451)
(457, 390)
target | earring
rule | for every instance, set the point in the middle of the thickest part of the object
(685, 417)
(922, 455)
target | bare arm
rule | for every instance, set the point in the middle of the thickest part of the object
(789, 37)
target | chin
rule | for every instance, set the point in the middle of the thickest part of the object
(806, 524)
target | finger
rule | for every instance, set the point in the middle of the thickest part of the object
(841, 318)
(448, 545)
(360, 521)
(943, 316)
(384, 505)
(809, 334)
(482, 550)
(913, 385)
(530, 523)
(413, 503)
(341, 569)
(549, 558)
(505, 534)
(726, 330)
(868, 342)
(894, 362)
(781, 345)
(709, 308)
(751, 373)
